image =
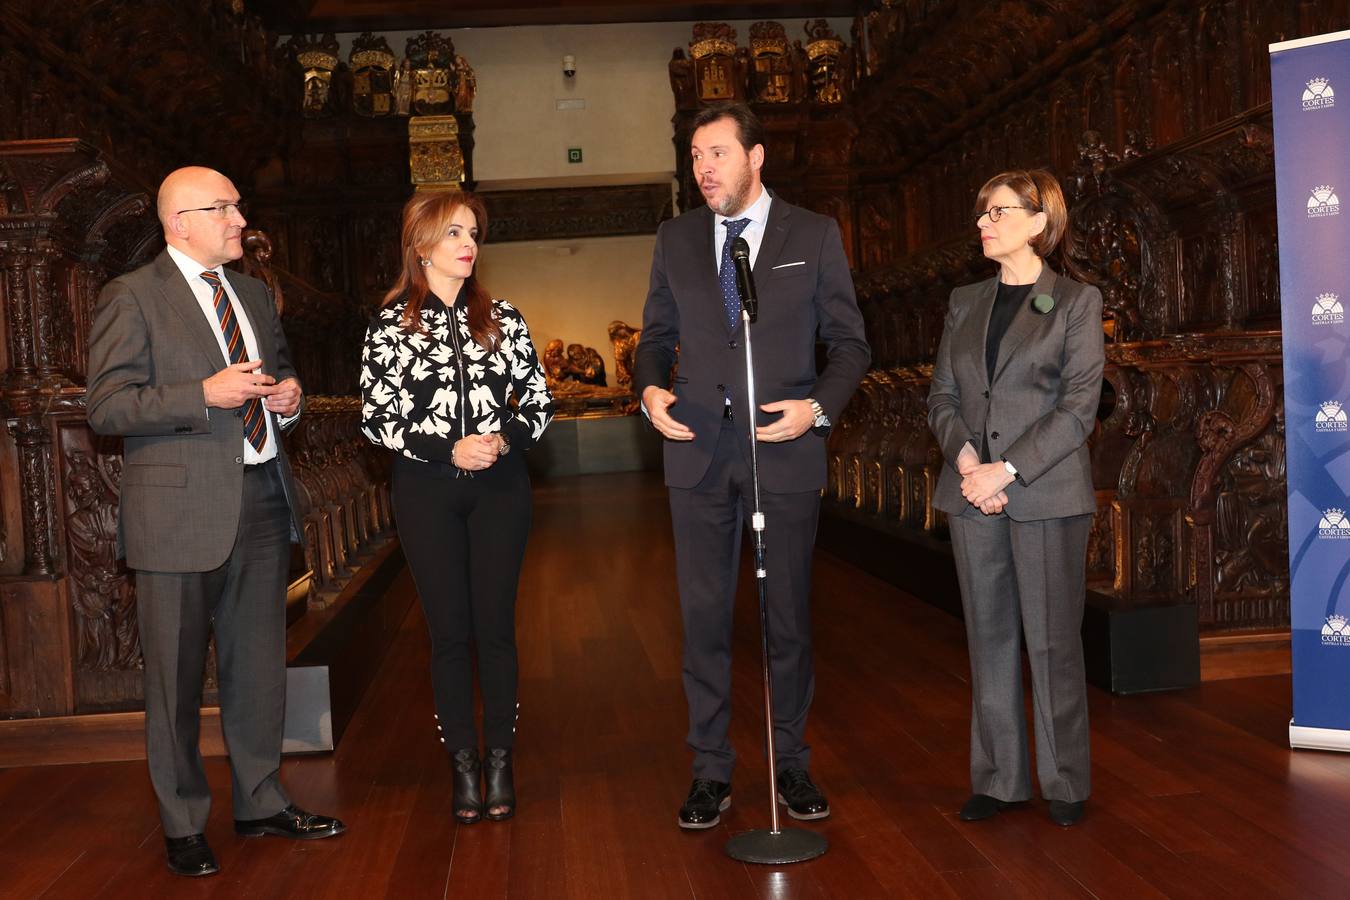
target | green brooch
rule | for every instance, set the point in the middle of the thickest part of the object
(1043, 303)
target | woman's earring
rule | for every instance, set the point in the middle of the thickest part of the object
(425, 262)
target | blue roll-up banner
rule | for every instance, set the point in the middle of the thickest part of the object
(1312, 173)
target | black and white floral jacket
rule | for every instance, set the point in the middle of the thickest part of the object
(422, 392)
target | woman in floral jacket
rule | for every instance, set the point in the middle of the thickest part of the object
(441, 363)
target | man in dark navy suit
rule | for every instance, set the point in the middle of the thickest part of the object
(807, 294)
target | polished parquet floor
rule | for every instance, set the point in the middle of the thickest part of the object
(1196, 794)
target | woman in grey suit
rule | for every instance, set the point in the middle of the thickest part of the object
(1014, 395)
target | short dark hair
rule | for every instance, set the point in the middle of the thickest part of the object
(1038, 191)
(749, 130)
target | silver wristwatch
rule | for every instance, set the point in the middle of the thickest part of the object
(821, 420)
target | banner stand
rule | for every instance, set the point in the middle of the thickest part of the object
(1312, 168)
(1302, 737)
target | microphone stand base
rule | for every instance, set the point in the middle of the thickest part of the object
(769, 848)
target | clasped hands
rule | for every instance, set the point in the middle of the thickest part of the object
(796, 419)
(982, 484)
(236, 384)
(476, 452)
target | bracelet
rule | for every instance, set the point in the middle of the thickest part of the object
(452, 457)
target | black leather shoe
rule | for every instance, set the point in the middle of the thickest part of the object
(982, 806)
(499, 785)
(1065, 812)
(191, 856)
(705, 803)
(468, 799)
(804, 800)
(292, 822)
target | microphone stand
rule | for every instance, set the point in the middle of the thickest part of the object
(776, 846)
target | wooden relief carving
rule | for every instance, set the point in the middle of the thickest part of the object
(102, 595)
(1251, 536)
(6, 690)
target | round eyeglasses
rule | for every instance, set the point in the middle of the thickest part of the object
(996, 212)
(224, 210)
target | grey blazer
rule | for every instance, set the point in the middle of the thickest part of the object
(805, 288)
(1040, 405)
(150, 348)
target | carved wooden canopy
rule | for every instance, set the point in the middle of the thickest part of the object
(403, 15)
(208, 68)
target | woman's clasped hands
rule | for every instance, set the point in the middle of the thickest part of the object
(982, 484)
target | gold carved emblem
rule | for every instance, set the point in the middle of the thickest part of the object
(434, 78)
(772, 70)
(317, 57)
(373, 67)
(714, 51)
(434, 155)
(824, 55)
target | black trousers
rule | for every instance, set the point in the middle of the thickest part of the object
(464, 539)
(708, 523)
(243, 602)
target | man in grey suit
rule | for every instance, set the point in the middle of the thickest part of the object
(803, 279)
(1014, 397)
(189, 365)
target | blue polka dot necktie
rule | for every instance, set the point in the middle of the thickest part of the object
(726, 272)
(255, 427)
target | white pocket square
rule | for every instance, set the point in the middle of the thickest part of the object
(800, 262)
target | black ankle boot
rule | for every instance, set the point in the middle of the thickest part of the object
(500, 784)
(468, 800)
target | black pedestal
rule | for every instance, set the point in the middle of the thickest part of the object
(596, 446)
(776, 848)
(1127, 649)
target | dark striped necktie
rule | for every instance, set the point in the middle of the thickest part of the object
(255, 427)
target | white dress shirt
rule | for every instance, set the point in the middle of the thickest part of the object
(758, 214)
(192, 272)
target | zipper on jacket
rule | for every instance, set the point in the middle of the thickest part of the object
(463, 386)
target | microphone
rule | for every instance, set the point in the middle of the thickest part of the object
(745, 279)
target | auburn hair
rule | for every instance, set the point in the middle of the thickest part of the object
(1038, 191)
(426, 220)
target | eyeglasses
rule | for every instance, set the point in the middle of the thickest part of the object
(996, 212)
(223, 210)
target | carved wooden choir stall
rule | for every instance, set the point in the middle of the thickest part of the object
(1156, 118)
(86, 90)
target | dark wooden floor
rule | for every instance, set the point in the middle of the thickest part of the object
(1196, 794)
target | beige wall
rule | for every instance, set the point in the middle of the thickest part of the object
(621, 74)
(572, 289)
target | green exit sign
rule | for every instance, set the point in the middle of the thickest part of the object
(574, 154)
